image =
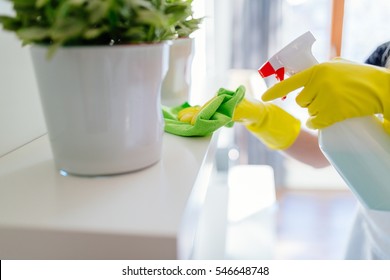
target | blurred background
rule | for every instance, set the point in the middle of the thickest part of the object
(313, 208)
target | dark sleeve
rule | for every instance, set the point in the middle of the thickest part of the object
(380, 55)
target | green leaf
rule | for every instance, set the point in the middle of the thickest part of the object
(52, 49)
(41, 3)
(136, 34)
(137, 4)
(78, 3)
(94, 22)
(33, 33)
(23, 3)
(68, 30)
(152, 18)
(93, 33)
(97, 11)
(9, 23)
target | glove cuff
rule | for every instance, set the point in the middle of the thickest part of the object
(249, 112)
(278, 130)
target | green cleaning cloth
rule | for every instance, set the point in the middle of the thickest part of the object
(214, 114)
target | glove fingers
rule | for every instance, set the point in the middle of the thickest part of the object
(306, 97)
(285, 87)
(314, 108)
(317, 122)
(312, 123)
(318, 115)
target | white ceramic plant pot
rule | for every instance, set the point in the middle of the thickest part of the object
(102, 106)
(177, 83)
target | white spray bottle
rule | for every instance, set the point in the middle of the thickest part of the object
(358, 148)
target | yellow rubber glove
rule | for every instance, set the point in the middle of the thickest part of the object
(276, 128)
(188, 115)
(336, 90)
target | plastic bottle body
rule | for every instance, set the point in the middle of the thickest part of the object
(359, 149)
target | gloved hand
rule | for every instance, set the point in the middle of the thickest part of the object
(189, 114)
(337, 90)
(187, 120)
(272, 125)
(276, 128)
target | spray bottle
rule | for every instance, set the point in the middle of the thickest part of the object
(358, 148)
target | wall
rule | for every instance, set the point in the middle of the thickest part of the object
(21, 118)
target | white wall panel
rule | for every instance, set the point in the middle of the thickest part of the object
(21, 117)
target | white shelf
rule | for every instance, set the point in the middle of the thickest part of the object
(149, 214)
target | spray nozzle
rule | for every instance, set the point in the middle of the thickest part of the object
(293, 58)
(267, 70)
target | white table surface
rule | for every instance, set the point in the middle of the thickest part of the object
(149, 214)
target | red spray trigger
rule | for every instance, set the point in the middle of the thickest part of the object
(292, 59)
(267, 70)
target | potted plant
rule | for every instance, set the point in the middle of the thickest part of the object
(99, 65)
(177, 82)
